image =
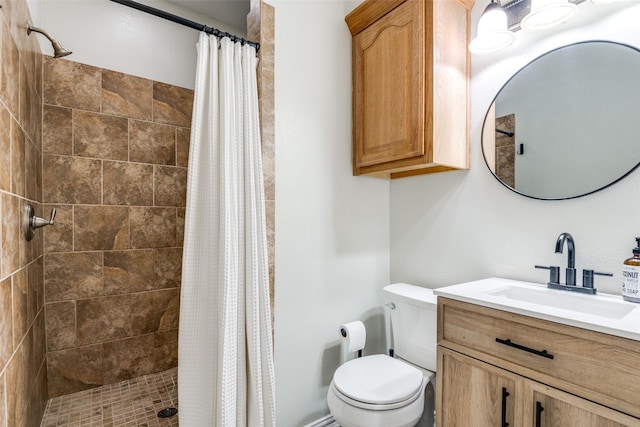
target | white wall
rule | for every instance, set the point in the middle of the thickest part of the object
(332, 245)
(460, 226)
(109, 35)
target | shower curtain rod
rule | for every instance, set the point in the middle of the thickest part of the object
(186, 22)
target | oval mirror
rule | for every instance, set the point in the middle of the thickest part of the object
(567, 124)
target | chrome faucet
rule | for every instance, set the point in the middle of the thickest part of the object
(571, 256)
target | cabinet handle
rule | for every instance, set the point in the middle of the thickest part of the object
(542, 353)
(505, 394)
(539, 410)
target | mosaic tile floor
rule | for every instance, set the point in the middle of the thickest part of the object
(132, 403)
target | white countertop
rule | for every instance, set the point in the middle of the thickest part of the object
(605, 313)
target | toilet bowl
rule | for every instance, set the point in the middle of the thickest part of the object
(378, 391)
(385, 391)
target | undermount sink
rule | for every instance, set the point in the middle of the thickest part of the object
(587, 304)
(602, 312)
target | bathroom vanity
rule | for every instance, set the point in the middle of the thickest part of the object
(507, 359)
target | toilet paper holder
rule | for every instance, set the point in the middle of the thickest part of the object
(345, 333)
(31, 222)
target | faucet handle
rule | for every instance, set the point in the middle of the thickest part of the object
(554, 273)
(587, 277)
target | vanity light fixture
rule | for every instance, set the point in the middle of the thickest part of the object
(498, 22)
(548, 13)
(493, 34)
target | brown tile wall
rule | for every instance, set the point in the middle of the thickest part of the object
(506, 150)
(261, 27)
(23, 374)
(115, 151)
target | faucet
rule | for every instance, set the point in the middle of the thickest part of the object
(571, 256)
(570, 284)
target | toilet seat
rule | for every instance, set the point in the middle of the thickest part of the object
(378, 383)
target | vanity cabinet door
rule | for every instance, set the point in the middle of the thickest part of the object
(473, 393)
(549, 407)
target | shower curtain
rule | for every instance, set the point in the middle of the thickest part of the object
(225, 363)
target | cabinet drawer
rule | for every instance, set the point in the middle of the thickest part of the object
(590, 364)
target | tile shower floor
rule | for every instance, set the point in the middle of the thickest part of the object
(132, 403)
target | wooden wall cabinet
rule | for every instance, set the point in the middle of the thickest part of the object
(590, 381)
(410, 86)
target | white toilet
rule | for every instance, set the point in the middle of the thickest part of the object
(383, 391)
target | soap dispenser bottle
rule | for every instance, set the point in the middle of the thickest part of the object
(630, 276)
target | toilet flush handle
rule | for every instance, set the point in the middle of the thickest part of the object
(390, 306)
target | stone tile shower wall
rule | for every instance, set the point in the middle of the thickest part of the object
(23, 375)
(115, 152)
(261, 26)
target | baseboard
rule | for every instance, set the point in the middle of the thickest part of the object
(327, 421)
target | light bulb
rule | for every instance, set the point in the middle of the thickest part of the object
(548, 13)
(493, 34)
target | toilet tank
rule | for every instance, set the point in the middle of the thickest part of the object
(413, 318)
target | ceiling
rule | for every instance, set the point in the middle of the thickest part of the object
(231, 12)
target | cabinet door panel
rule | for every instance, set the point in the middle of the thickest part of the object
(471, 393)
(410, 86)
(388, 65)
(560, 409)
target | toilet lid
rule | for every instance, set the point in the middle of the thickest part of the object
(378, 379)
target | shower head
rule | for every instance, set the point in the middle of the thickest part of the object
(58, 50)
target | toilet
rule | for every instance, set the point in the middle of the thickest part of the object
(397, 390)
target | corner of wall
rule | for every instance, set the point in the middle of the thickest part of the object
(23, 379)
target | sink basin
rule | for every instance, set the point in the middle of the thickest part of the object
(602, 312)
(587, 304)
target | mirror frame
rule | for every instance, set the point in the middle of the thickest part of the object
(484, 156)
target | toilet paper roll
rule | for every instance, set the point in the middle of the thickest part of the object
(354, 336)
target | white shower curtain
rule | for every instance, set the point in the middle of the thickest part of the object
(225, 363)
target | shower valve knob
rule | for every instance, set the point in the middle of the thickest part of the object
(37, 222)
(31, 222)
